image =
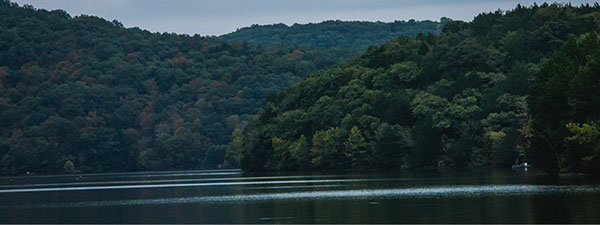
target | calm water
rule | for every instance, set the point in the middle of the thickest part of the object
(231, 196)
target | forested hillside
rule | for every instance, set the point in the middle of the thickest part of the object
(457, 99)
(334, 34)
(565, 108)
(86, 94)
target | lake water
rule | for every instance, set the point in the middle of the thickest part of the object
(231, 196)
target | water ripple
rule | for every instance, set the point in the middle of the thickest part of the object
(418, 192)
(129, 174)
(123, 182)
(181, 185)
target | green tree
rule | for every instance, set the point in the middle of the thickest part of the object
(558, 104)
(233, 153)
(69, 166)
(355, 148)
(301, 153)
(327, 149)
(584, 143)
(282, 156)
(392, 147)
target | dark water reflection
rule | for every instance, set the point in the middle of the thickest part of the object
(230, 196)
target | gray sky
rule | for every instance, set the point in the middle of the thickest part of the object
(216, 17)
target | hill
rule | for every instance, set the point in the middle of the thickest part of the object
(334, 34)
(457, 99)
(85, 94)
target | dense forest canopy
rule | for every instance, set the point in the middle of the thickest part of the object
(82, 94)
(565, 108)
(457, 99)
(85, 94)
(334, 34)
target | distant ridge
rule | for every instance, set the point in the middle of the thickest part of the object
(334, 33)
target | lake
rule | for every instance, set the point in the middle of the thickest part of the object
(232, 196)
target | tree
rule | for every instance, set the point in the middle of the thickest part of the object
(392, 147)
(233, 153)
(282, 157)
(69, 166)
(301, 153)
(564, 96)
(327, 149)
(584, 143)
(355, 148)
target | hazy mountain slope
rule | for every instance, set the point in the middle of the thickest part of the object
(334, 34)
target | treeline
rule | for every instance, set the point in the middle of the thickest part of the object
(457, 99)
(334, 34)
(85, 94)
(565, 108)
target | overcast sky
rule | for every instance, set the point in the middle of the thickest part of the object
(216, 17)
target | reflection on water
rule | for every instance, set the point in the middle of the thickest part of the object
(13, 188)
(130, 174)
(178, 185)
(230, 196)
(428, 192)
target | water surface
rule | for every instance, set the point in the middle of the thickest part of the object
(231, 196)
